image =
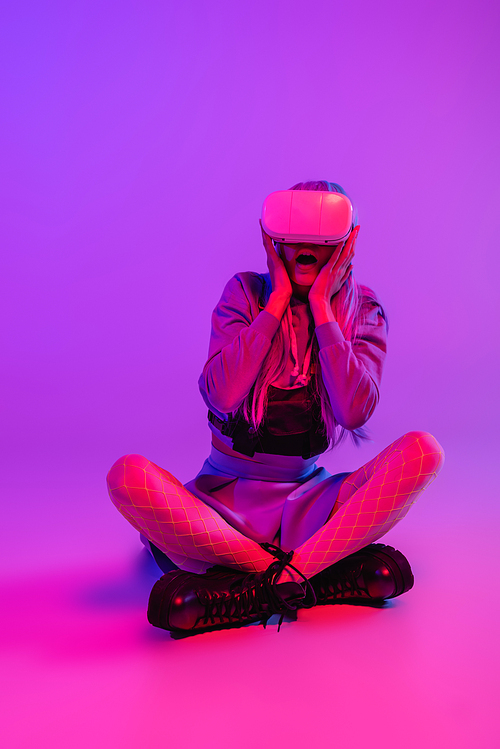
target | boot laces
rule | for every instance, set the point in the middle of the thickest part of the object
(345, 583)
(257, 595)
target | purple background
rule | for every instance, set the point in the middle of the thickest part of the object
(139, 140)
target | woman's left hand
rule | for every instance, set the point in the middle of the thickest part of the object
(333, 275)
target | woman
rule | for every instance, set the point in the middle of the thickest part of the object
(295, 363)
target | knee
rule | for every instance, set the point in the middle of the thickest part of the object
(426, 441)
(425, 447)
(128, 470)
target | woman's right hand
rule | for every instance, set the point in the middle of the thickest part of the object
(280, 280)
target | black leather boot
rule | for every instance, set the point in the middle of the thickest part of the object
(366, 578)
(221, 598)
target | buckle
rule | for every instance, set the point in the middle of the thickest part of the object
(225, 427)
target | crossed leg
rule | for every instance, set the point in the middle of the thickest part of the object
(370, 502)
(192, 534)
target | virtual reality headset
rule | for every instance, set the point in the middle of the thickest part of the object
(314, 216)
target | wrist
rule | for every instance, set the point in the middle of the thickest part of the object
(277, 303)
(321, 311)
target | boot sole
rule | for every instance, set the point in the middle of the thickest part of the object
(371, 603)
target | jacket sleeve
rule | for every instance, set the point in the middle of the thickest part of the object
(352, 371)
(240, 340)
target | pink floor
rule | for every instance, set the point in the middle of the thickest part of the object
(82, 667)
(138, 141)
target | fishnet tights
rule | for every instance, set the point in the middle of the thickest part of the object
(194, 536)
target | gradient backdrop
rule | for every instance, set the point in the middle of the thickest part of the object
(138, 142)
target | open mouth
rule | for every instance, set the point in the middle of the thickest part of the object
(305, 258)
